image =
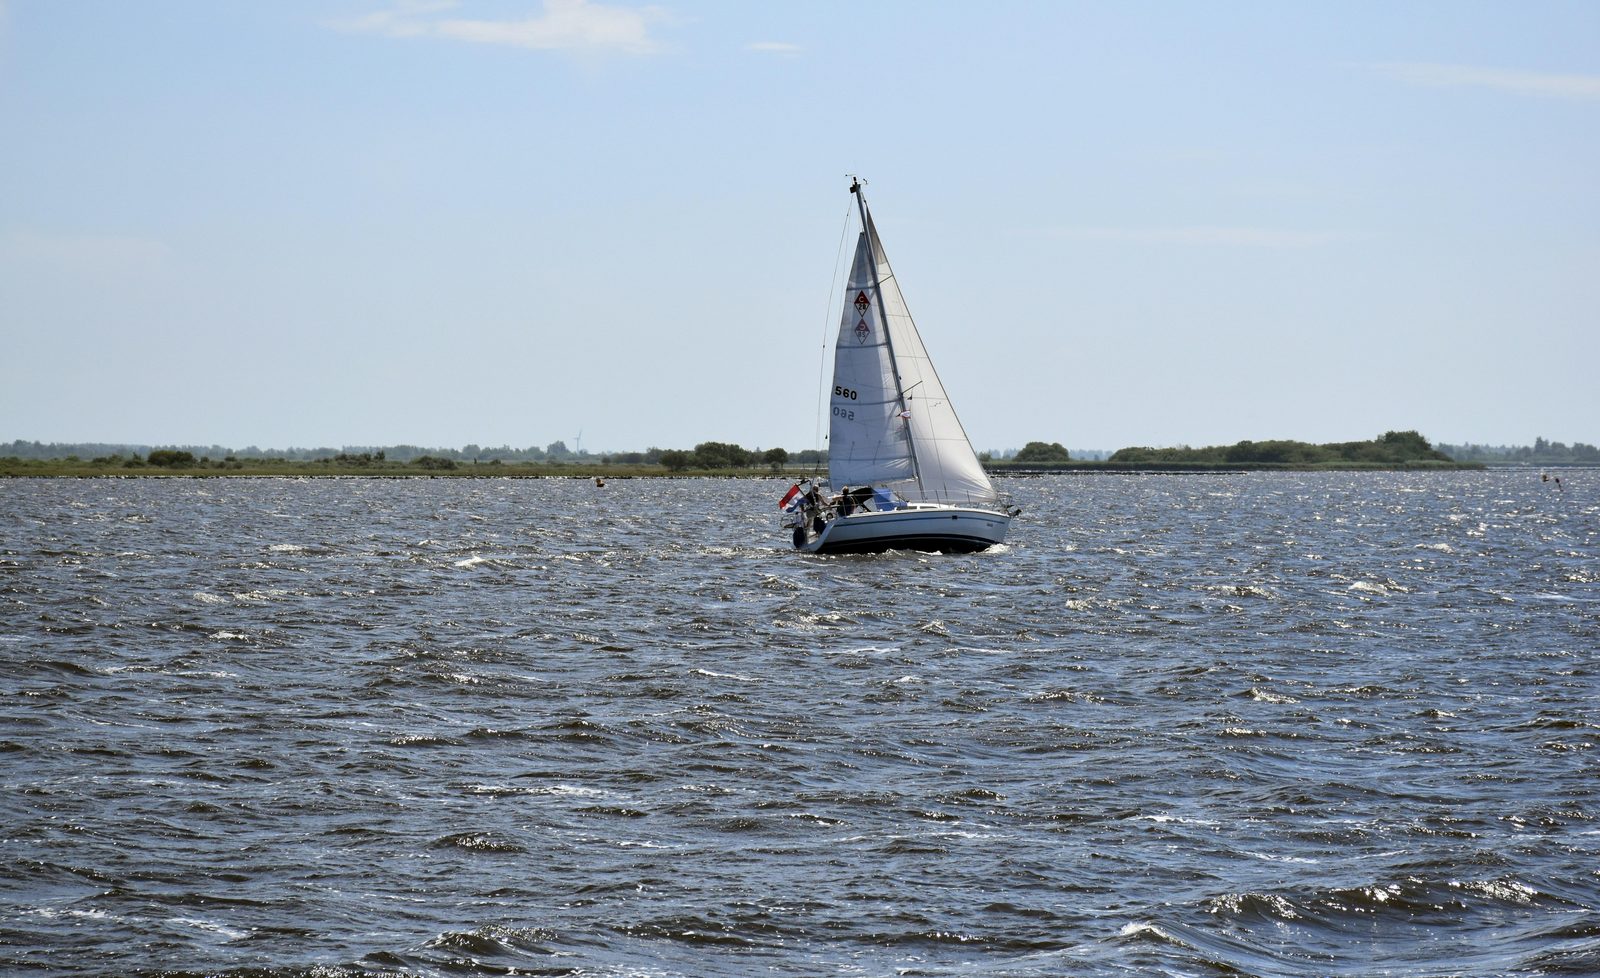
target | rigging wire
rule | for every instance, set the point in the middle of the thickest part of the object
(822, 364)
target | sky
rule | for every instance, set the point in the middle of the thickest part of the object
(308, 223)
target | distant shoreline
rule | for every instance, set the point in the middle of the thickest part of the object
(1401, 451)
(1202, 468)
(281, 469)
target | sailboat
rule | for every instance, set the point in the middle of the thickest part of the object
(902, 474)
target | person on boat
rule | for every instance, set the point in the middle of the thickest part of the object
(851, 500)
(811, 509)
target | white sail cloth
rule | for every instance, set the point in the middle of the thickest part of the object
(891, 421)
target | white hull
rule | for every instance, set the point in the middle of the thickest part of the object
(948, 529)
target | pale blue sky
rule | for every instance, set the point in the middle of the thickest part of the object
(348, 222)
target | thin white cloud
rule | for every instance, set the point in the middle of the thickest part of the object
(774, 47)
(1500, 79)
(564, 25)
(407, 18)
(1228, 237)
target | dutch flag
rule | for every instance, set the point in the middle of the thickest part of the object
(792, 499)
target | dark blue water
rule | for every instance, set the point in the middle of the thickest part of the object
(1329, 724)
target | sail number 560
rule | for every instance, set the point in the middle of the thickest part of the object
(844, 392)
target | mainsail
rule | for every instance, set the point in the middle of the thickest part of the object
(891, 422)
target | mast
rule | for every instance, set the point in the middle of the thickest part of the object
(883, 313)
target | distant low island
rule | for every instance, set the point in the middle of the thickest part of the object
(1393, 450)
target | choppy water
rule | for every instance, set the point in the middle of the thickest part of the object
(1262, 725)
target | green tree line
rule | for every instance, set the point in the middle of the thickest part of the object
(706, 455)
(1394, 448)
(22, 457)
(1541, 452)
